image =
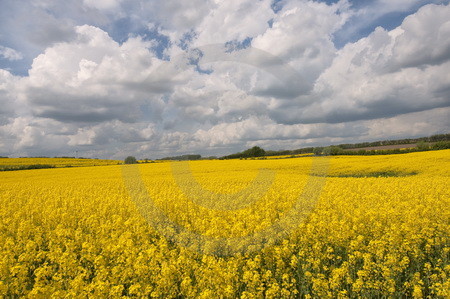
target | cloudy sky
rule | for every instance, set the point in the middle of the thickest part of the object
(111, 78)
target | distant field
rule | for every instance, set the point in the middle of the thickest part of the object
(287, 156)
(384, 147)
(30, 163)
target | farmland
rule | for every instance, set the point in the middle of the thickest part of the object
(378, 226)
(36, 163)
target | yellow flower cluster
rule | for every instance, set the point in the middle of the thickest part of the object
(378, 227)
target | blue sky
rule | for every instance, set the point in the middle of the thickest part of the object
(109, 78)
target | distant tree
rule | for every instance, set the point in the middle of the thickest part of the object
(130, 160)
(318, 151)
(440, 145)
(255, 151)
(361, 152)
(422, 145)
(332, 150)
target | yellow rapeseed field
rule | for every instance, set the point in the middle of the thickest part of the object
(366, 226)
(56, 162)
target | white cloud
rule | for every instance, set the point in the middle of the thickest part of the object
(368, 14)
(10, 54)
(412, 124)
(176, 18)
(90, 79)
(31, 136)
(106, 132)
(234, 20)
(426, 38)
(301, 35)
(103, 4)
(7, 93)
(369, 78)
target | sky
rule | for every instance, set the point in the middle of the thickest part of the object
(112, 78)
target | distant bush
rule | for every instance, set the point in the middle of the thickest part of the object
(332, 150)
(440, 145)
(422, 145)
(130, 160)
(26, 167)
(317, 150)
(183, 157)
(255, 151)
(147, 160)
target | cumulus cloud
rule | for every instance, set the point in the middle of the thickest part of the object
(89, 79)
(301, 34)
(425, 39)
(367, 15)
(234, 20)
(376, 77)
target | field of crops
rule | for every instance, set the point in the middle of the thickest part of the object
(24, 163)
(366, 226)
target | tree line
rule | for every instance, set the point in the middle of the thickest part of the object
(435, 142)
